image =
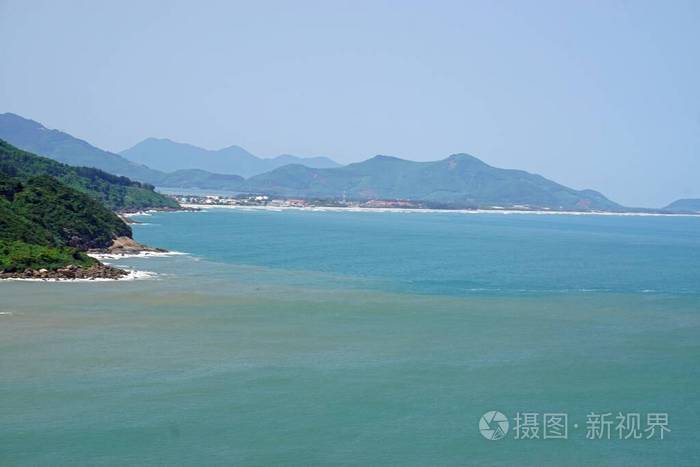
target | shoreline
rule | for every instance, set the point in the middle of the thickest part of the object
(98, 271)
(139, 254)
(139, 212)
(131, 275)
(432, 210)
(121, 248)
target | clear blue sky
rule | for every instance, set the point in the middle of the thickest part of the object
(594, 94)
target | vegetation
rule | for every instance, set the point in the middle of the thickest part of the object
(45, 224)
(16, 256)
(118, 193)
(72, 218)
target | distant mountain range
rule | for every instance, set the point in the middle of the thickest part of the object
(169, 156)
(163, 155)
(36, 138)
(460, 180)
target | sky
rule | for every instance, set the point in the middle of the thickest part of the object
(592, 94)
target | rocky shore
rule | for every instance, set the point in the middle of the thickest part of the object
(121, 246)
(97, 271)
(126, 246)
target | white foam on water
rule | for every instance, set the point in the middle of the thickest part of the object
(141, 254)
(205, 207)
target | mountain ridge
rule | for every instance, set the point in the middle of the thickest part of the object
(34, 137)
(167, 155)
(458, 180)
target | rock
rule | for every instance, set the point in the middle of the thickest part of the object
(98, 271)
(127, 246)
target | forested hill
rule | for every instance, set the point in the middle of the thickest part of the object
(46, 224)
(42, 210)
(117, 193)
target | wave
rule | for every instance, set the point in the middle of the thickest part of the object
(141, 254)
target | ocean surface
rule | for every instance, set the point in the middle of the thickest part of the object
(361, 338)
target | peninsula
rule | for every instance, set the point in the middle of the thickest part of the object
(52, 214)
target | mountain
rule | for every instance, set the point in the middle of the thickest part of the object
(36, 138)
(168, 156)
(460, 180)
(684, 205)
(62, 147)
(114, 191)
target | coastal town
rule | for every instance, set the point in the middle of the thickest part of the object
(195, 202)
(269, 201)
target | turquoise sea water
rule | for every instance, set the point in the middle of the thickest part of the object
(359, 338)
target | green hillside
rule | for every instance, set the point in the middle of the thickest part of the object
(114, 191)
(16, 256)
(72, 218)
(45, 224)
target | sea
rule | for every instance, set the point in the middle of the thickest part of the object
(364, 338)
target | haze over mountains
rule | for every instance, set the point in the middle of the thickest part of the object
(34, 137)
(151, 160)
(169, 156)
(460, 180)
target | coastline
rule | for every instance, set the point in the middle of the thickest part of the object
(131, 275)
(100, 272)
(140, 254)
(201, 207)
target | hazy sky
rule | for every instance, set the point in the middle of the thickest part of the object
(594, 94)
